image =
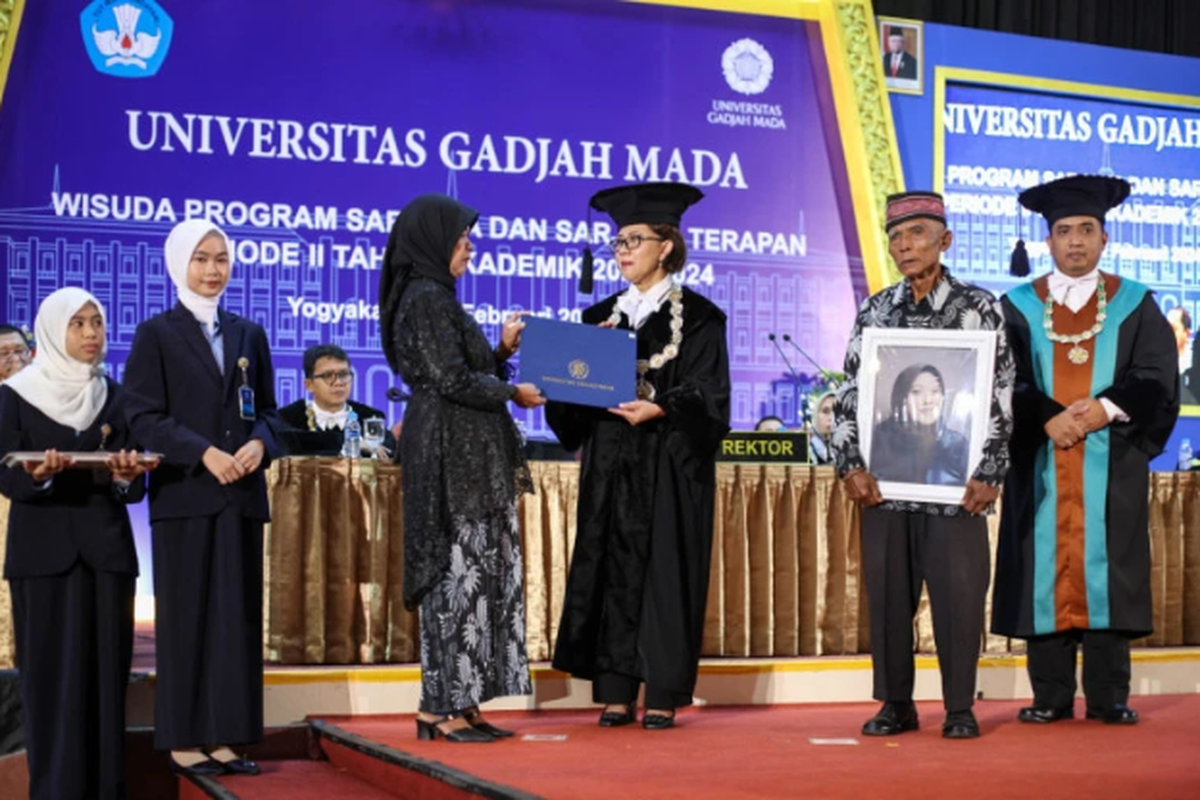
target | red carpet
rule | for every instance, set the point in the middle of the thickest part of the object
(760, 752)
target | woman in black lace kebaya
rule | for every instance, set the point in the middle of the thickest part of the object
(463, 471)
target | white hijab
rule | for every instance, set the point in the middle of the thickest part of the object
(181, 243)
(68, 391)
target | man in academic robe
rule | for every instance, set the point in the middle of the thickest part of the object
(15, 353)
(1096, 397)
(906, 544)
(329, 379)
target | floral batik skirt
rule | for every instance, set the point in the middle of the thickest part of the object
(473, 621)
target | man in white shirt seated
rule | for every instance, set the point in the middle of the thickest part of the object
(329, 379)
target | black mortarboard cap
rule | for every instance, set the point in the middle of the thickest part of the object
(1076, 196)
(639, 203)
(648, 203)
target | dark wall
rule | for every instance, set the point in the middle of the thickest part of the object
(1159, 26)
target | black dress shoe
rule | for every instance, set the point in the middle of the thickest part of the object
(892, 718)
(1045, 714)
(475, 718)
(241, 766)
(960, 725)
(657, 721)
(210, 767)
(615, 719)
(1118, 714)
(429, 731)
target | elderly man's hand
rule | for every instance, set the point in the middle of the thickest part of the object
(862, 487)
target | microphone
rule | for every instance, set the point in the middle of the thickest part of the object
(782, 355)
(824, 373)
(795, 377)
(397, 396)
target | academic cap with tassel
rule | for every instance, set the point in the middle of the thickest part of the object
(1073, 196)
(639, 203)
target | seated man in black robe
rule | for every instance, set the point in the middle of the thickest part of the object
(329, 379)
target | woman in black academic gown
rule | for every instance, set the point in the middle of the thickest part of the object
(463, 472)
(201, 392)
(70, 561)
(638, 583)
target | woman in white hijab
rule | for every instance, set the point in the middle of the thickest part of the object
(70, 556)
(202, 393)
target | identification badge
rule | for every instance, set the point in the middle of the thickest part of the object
(245, 393)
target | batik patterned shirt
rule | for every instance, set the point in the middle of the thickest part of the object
(951, 305)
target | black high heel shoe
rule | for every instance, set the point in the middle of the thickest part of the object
(475, 718)
(429, 731)
(615, 719)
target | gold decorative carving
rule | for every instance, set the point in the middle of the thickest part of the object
(8, 10)
(856, 22)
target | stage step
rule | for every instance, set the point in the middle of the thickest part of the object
(287, 780)
(347, 765)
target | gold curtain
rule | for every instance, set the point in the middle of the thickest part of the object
(785, 581)
(8, 651)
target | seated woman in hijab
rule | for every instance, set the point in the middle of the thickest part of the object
(71, 562)
(822, 429)
(638, 583)
(914, 444)
(464, 469)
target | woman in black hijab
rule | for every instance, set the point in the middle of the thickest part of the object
(914, 444)
(463, 471)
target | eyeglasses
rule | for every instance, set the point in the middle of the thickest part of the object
(632, 243)
(332, 378)
(20, 351)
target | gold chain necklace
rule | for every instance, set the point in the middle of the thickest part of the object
(645, 389)
(1077, 354)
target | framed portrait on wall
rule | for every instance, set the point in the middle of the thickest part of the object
(924, 402)
(902, 43)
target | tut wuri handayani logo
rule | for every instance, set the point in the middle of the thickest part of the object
(126, 38)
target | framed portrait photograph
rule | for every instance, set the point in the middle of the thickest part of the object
(924, 402)
(902, 42)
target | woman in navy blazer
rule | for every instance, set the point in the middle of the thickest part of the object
(201, 392)
(70, 557)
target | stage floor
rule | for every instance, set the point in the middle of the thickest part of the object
(810, 751)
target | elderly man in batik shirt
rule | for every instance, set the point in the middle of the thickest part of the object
(905, 544)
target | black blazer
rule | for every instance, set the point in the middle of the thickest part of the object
(81, 515)
(294, 416)
(179, 405)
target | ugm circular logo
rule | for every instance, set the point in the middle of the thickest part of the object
(126, 38)
(578, 369)
(748, 67)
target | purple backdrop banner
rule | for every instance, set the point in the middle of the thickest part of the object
(303, 132)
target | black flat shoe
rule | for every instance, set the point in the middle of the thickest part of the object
(241, 766)
(1117, 714)
(210, 767)
(475, 717)
(615, 719)
(429, 731)
(656, 721)
(1044, 715)
(893, 718)
(960, 725)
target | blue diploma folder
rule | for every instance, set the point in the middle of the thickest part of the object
(575, 363)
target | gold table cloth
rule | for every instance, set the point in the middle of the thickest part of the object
(786, 571)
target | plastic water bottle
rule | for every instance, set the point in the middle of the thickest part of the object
(352, 443)
(1185, 455)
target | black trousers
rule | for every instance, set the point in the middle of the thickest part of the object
(208, 584)
(613, 688)
(1106, 668)
(901, 550)
(74, 637)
